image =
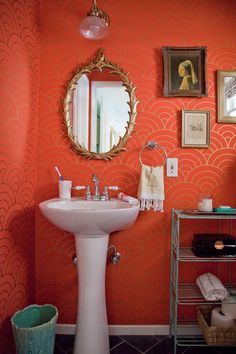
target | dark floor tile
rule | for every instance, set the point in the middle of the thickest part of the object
(165, 346)
(65, 341)
(226, 350)
(58, 350)
(124, 348)
(159, 337)
(114, 341)
(201, 350)
(142, 343)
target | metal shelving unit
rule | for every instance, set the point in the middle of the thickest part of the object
(188, 333)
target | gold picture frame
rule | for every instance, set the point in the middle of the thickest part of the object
(226, 96)
(184, 71)
(195, 128)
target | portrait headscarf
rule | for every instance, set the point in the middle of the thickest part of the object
(188, 66)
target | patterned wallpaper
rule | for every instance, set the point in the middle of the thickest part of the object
(137, 288)
(19, 73)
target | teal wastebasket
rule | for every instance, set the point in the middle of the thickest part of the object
(34, 329)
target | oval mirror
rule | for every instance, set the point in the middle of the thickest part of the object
(100, 109)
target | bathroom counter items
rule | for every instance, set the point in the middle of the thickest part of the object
(216, 211)
(218, 329)
(185, 295)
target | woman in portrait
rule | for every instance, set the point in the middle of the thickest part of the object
(187, 72)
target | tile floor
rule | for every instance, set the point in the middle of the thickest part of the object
(140, 345)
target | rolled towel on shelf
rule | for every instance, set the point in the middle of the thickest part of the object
(211, 287)
(127, 198)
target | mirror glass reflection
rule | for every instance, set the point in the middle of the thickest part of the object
(230, 96)
(226, 98)
(99, 111)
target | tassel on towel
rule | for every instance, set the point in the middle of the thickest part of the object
(151, 188)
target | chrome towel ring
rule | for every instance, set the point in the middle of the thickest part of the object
(151, 145)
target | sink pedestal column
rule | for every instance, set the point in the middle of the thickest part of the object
(92, 329)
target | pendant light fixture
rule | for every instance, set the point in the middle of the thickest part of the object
(96, 24)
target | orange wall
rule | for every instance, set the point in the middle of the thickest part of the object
(137, 288)
(19, 73)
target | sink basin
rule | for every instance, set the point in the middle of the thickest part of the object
(91, 222)
(88, 217)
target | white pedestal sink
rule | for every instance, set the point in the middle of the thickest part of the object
(91, 222)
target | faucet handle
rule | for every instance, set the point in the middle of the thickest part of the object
(87, 193)
(105, 194)
(78, 188)
(114, 188)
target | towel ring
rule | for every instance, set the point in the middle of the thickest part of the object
(151, 145)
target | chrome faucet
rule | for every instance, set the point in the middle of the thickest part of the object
(96, 195)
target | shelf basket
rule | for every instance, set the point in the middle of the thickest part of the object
(215, 335)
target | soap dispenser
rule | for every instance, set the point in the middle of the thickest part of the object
(65, 186)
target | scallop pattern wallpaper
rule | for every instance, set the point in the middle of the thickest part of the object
(19, 80)
(138, 287)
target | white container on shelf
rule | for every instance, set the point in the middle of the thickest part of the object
(205, 203)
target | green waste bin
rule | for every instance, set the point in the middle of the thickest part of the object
(34, 329)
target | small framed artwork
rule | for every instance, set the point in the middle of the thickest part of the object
(184, 71)
(226, 96)
(195, 129)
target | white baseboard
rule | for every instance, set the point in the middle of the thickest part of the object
(65, 328)
(116, 330)
(140, 330)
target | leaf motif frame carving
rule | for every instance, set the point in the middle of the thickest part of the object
(100, 62)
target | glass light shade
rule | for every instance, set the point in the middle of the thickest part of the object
(93, 27)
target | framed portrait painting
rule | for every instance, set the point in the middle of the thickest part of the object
(184, 71)
(195, 129)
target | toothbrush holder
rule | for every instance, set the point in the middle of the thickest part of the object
(65, 189)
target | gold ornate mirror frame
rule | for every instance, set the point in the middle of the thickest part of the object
(100, 62)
